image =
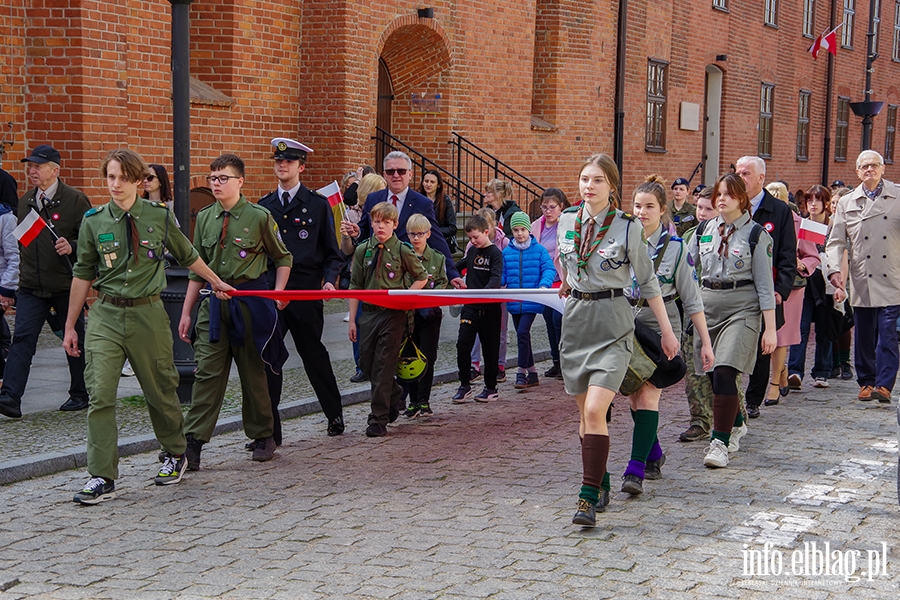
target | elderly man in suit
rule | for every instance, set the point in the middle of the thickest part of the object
(45, 277)
(866, 224)
(398, 173)
(776, 218)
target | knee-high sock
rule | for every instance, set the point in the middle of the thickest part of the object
(725, 409)
(646, 423)
(594, 453)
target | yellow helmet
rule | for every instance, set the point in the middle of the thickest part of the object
(410, 368)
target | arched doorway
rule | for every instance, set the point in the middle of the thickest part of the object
(385, 100)
(712, 125)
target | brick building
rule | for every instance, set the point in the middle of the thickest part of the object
(532, 83)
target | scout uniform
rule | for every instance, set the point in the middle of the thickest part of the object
(378, 266)
(684, 218)
(736, 285)
(129, 321)
(598, 322)
(236, 245)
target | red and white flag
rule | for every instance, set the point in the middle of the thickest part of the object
(812, 231)
(827, 41)
(332, 191)
(29, 228)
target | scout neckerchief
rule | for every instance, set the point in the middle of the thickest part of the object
(583, 255)
(723, 245)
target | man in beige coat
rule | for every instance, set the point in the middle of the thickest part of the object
(866, 224)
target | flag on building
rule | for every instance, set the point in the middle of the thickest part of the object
(29, 228)
(812, 231)
(827, 41)
(332, 191)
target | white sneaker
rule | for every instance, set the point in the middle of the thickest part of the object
(736, 434)
(820, 382)
(347, 318)
(716, 455)
(127, 371)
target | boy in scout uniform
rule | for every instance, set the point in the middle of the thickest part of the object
(237, 238)
(120, 250)
(382, 262)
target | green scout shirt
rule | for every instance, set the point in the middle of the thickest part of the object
(385, 266)
(103, 251)
(685, 218)
(435, 265)
(251, 238)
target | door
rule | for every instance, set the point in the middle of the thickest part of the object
(712, 125)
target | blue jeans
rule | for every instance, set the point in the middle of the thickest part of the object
(523, 324)
(553, 319)
(797, 360)
(877, 352)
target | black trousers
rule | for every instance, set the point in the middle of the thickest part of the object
(31, 312)
(483, 321)
(305, 322)
(426, 335)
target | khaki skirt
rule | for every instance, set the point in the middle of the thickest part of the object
(733, 319)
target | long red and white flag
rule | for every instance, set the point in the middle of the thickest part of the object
(827, 41)
(411, 299)
(812, 231)
(332, 191)
(29, 228)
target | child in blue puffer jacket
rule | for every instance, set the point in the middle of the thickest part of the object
(526, 265)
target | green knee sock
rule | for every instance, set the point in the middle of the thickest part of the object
(605, 485)
(721, 435)
(590, 493)
(739, 419)
(646, 424)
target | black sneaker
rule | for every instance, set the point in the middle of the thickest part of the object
(411, 412)
(531, 380)
(554, 372)
(632, 484)
(585, 514)
(425, 411)
(336, 426)
(753, 411)
(521, 383)
(835, 372)
(172, 470)
(501, 375)
(487, 395)
(10, 407)
(265, 450)
(376, 430)
(462, 394)
(653, 468)
(192, 453)
(358, 377)
(846, 371)
(95, 491)
(474, 374)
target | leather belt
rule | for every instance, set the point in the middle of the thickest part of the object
(126, 301)
(604, 295)
(668, 298)
(726, 285)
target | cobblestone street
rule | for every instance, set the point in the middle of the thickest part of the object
(476, 503)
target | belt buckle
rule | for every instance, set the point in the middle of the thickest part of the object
(717, 285)
(121, 302)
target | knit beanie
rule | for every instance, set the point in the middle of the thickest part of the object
(520, 219)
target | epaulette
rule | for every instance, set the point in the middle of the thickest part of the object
(94, 210)
(209, 206)
(571, 209)
(407, 244)
(628, 216)
(156, 204)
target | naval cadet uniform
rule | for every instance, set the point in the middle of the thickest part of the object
(684, 218)
(236, 245)
(122, 252)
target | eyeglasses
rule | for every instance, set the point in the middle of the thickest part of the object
(392, 172)
(416, 234)
(549, 207)
(221, 179)
(868, 166)
(150, 178)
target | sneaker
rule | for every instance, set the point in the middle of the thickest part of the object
(411, 412)
(521, 382)
(716, 455)
(376, 430)
(10, 407)
(192, 452)
(425, 411)
(474, 374)
(265, 450)
(554, 372)
(820, 382)
(172, 470)
(358, 377)
(501, 375)
(835, 372)
(487, 395)
(794, 381)
(585, 514)
(865, 393)
(95, 491)
(753, 411)
(734, 444)
(462, 394)
(347, 318)
(335, 426)
(127, 371)
(531, 380)
(693, 433)
(632, 484)
(882, 394)
(653, 468)
(846, 372)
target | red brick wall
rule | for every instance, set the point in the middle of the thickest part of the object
(92, 75)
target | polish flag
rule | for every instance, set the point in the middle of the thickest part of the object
(29, 228)
(813, 231)
(332, 191)
(827, 41)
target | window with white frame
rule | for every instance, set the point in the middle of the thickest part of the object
(803, 126)
(849, 17)
(766, 106)
(809, 18)
(771, 13)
